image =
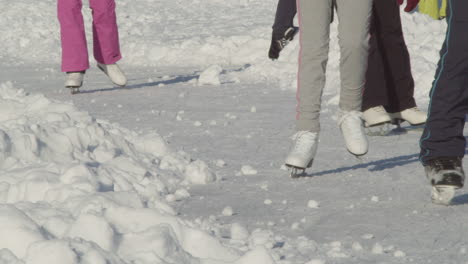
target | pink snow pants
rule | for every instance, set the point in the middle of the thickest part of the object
(105, 34)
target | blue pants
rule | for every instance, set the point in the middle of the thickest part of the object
(443, 134)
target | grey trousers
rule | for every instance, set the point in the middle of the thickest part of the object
(314, 22)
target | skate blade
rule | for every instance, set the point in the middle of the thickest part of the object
(366, 125)
(74, 89)
(443, 194)
(379, 130)
(297, 172)
(359, 157)
(399, 121)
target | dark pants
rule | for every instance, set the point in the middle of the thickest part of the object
(389, 81)
(443, 134)
(285, 13)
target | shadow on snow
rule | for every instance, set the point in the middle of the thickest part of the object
(460, 200)
(378, 165)
(175, 80)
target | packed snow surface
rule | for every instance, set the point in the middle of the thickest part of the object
(184, 164)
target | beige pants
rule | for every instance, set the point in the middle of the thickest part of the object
(314, 22)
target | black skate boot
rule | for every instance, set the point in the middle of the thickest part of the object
(278, 43)
(446, 175)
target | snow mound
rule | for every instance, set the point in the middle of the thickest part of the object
(79, 190)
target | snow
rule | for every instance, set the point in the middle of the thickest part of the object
(248, 170)
(54, 252)
(239, 232)
(399, 254)
(377, 249)
(316, 261)
(312, 204)
(210, 76)
(357, 246)
(228, 211)
(147, 173)
(198, 172)
(67, 177)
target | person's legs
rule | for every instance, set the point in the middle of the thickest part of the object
(73, 37)
(283, 29)
(105, 32)
(314, 21)
(396, 60)
(354, 22)
(285, 13)
(443, 134)
(375, 89)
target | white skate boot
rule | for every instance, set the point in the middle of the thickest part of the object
(351, 126)
(114, 73)
(414, 116)
(376, 116)
(74, 81)
(303, 152)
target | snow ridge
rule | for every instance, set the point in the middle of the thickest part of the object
(83, 190)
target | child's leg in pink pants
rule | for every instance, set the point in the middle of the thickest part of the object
(74, 50)
(105, 32)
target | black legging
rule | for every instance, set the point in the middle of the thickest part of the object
(284, 17)
(389, 81)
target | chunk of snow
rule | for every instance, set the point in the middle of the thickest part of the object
(210, 76)
(227, 211)
(198, 172)
(51, 252)
(377, 249)
(248, 170)
(313, 204)
(239, 232)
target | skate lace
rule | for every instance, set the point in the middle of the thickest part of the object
(352, 123)
(304, 141)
